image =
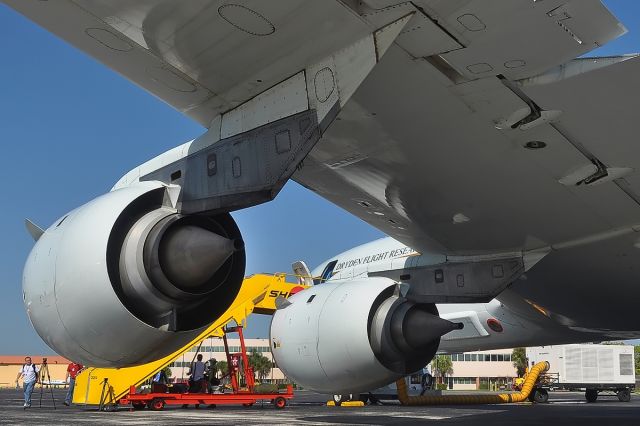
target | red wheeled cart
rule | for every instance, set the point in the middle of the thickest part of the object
(245, 396)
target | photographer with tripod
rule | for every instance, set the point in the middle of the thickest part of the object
(29, 373)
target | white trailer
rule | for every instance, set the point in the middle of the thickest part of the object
(594, 368)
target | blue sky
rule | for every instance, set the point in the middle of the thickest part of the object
(70, 127)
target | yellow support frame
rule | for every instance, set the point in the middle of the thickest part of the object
(257, 294)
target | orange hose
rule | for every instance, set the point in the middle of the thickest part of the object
(527, 387)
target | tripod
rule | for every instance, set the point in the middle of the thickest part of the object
(107, 392)
(44, 373)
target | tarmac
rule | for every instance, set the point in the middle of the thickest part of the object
(307, 408)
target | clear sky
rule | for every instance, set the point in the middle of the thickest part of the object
(70, 128)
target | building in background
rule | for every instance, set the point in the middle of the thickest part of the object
(214, 348)
(488, 370)
(482, 370)
(11, 364)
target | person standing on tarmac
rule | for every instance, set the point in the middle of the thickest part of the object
(29, 373)
(197, 375)
(72, 371)
(196, 379)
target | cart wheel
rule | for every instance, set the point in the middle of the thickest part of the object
(591, 395)
(624, 395)
(280, 402)
(541, 396)
(156, 404)
(138, 405)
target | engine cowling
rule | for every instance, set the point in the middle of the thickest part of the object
(353, 336)
(126, 279)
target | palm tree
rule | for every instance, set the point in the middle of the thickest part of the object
(167, 372)
(520, 362)
(442, 366)
(261, 364)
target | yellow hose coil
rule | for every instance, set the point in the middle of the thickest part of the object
(527, 387)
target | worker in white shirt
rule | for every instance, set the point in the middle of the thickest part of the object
(197, 375)
(29, 374)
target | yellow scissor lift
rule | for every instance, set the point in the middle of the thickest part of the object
(257, 294)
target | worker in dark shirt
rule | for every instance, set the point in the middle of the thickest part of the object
(196, 378)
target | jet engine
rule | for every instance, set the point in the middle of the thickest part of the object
(126, 279)
(352, 336)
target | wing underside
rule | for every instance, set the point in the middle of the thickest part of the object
(419, 160)
(476, 131)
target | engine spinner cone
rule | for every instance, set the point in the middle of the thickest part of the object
(190, 255)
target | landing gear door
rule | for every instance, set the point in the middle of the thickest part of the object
(301, 270)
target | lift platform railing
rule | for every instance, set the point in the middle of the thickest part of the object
(257, 294)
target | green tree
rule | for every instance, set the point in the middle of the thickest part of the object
(261, 364)
(636, 351)
(520, 362)
(442, 366)
(167, 372)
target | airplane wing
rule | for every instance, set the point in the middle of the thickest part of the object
(429, 149)
(424, 161)
(461, 126)
(202, 57)
(477, 131)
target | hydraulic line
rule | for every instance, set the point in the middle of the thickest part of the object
(502, 398)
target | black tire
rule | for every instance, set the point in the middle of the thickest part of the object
(591, 395)
(624, 395)
(280, 402)
(541, 396)
(364, 397)
(531, 395)
(156, 404)
(138, 405)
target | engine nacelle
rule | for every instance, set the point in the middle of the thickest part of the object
(126, 279)
(354, 336)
